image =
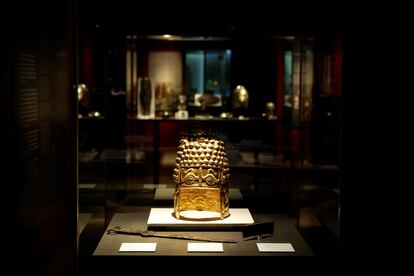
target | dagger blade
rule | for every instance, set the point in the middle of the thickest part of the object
(144, 233)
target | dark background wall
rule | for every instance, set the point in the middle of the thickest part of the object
(39, 116)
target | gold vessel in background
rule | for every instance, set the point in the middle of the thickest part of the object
(201, 177)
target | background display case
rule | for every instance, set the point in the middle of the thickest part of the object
(284, 161)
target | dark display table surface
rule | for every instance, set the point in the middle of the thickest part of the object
(285, 232)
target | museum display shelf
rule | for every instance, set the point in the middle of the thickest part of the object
(284, 232)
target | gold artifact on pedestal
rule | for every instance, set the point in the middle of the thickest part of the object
(240, 101)
(201, 177)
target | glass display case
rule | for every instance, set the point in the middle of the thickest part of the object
(281, 136)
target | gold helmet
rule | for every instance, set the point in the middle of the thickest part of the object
(201, 177)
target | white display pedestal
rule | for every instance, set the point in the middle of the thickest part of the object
(164, 217)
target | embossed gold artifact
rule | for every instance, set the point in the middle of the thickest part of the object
(201, 177)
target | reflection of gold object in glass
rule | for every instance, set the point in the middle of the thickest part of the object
(270, 110)
(94, 114)
(226, 115)
(83, 95)
(240, 97)
(81, 89)
(201, 175)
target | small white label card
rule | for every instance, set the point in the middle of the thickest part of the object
(275, 247)
(138, 247)
(204, 247)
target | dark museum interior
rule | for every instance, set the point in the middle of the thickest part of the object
(99, 99)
